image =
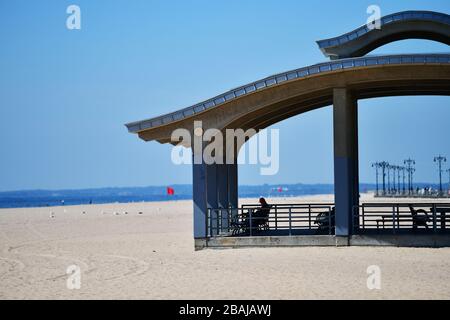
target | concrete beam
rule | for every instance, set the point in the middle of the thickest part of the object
(415, 241)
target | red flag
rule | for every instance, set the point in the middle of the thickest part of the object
(170, 191)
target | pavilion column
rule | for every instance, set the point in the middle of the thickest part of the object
(233, 185)
(211, 192)
(227, 189)
(199, 196)
(222, 185)
(346, 180)
(214, 186)
(222, 193)
(232, 190)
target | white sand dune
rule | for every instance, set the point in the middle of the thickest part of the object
(151, 256)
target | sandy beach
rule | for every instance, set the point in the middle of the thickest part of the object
(146, 250)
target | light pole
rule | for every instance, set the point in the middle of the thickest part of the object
(388, 167)
(404, 177)
(439, 159)
(376, 165)
(398, 179)
(384, 165)
(394, 168)
(410, 169)
(448, 171)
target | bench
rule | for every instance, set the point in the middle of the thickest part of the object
(418, 217)
(443, 214)
(260, 221)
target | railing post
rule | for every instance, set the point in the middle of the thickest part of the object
(393, 219)
(363, 217)
(290, 220)
(208, 222)
(250, 215)
(329, 221)
(229, 218)
(211, 212)
(218, 214)
(309, 216)
(353, 218)
(276, 217)
(434, 218)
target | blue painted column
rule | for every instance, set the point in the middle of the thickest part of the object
(200, 200)
(233, 185)
(214, 186)
(222, 185)
(346, 180)
(212, 195)
(227, 191)
(222, 194)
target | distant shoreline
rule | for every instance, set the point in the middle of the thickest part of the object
(161, 199)
(55, 198)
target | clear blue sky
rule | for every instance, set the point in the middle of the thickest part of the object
(65, 95)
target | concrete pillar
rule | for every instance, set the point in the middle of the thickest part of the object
(222, 185)
(200, 200)
(211, 194)
(222, 194)
(233, 185)
(214, 186)
(346, 179)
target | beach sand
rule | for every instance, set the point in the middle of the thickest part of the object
(151, 256)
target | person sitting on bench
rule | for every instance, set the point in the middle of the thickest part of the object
(419, 220)
(261, 216)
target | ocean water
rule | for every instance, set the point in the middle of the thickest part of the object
(45, 201)
(50, 198)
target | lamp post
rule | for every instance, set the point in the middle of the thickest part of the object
(384, 165)
(399, 169)
(448, 190)
(389, 167)
(394, 185)
(410, 169)
(448, 171)
(376, 165)
(404, 177)
(439, 159)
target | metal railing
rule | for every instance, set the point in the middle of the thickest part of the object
(282, 219)
(434, 194)
(318, 218)
(397, 218)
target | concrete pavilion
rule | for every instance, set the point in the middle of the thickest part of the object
(341, 82)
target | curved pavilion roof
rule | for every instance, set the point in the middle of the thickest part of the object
(282, 78)
(397, 26)
(373, 76)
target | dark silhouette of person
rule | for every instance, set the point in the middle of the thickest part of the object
(261, 215)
